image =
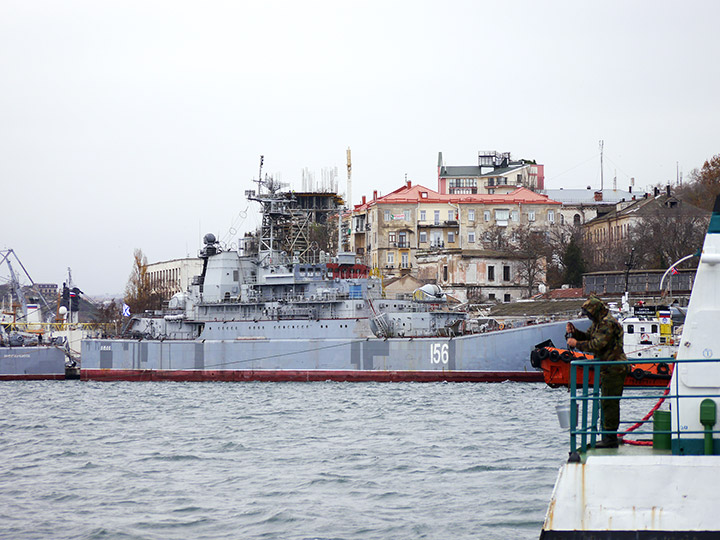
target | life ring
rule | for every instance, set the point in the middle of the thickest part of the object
(663, 369)
(543, 353)
(554, 355)
(566, 356)
(638, 374)
(502, 326)
(644, 337)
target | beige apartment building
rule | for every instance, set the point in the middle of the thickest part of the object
(416, 225)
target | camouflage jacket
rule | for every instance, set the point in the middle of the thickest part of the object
(604, 338)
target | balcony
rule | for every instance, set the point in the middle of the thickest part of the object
(400, 244)
(435, 224)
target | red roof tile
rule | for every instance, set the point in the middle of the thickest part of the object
(415, 194)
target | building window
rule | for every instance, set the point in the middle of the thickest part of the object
(562, 219)
(486, 215)
(576, 220)
(471, 214)
(502, 217)
(391, 257)
(491, 273)
(507, 297)
(437, 217)
(551, 216)
(519, 178)
(451, 215)
(423, 237)
(531, 215)
(422, 215)
(514, 215)
(451, 237)
(445, 273)
(407, 215)
(387, 215)
(471, 237)
(404, 258)
(506, 273)
(491, 296)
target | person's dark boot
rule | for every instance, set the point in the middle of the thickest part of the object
(608, 441)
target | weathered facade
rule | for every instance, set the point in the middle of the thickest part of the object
(391, 232)
(477, 276)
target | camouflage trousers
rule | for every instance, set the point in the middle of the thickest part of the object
(611, 384)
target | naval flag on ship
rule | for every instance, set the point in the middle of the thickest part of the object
(674, 271)
(126, 310)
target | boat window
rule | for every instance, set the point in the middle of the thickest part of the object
(630, 329)
(654, 328)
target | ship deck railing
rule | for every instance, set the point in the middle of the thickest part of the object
(33, 327)
(586, 406)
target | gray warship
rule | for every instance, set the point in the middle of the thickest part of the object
(284, 312)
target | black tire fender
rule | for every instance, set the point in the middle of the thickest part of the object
(554, 356)
(663, 369)
(638, 373)
(566, 356)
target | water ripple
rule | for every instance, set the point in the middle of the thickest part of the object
(297, 461)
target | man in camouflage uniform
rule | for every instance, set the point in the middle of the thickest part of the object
(604, 339)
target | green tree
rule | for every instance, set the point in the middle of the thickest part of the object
(139, 293)
(573, 264)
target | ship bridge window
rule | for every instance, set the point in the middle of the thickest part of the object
(654, 329)
(630, 329)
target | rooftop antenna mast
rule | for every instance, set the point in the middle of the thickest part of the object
(349, 180)
(348, 202)
(259, 180)
(602, 144)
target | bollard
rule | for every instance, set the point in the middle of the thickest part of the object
(661, 422)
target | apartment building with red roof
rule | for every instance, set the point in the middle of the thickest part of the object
(397, 231)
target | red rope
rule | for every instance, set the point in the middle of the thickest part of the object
(641, 422)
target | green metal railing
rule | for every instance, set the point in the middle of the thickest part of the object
(585, 407)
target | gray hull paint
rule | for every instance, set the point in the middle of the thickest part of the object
(505, 351)
(32, 363)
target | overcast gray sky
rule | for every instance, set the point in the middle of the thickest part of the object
(139, 124)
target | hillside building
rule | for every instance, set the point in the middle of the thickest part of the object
(495, 173)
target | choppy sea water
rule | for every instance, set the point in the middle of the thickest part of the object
(87, 460)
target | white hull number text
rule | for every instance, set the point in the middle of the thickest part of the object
(439, 353)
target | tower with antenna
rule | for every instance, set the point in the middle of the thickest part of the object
(602, 144)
